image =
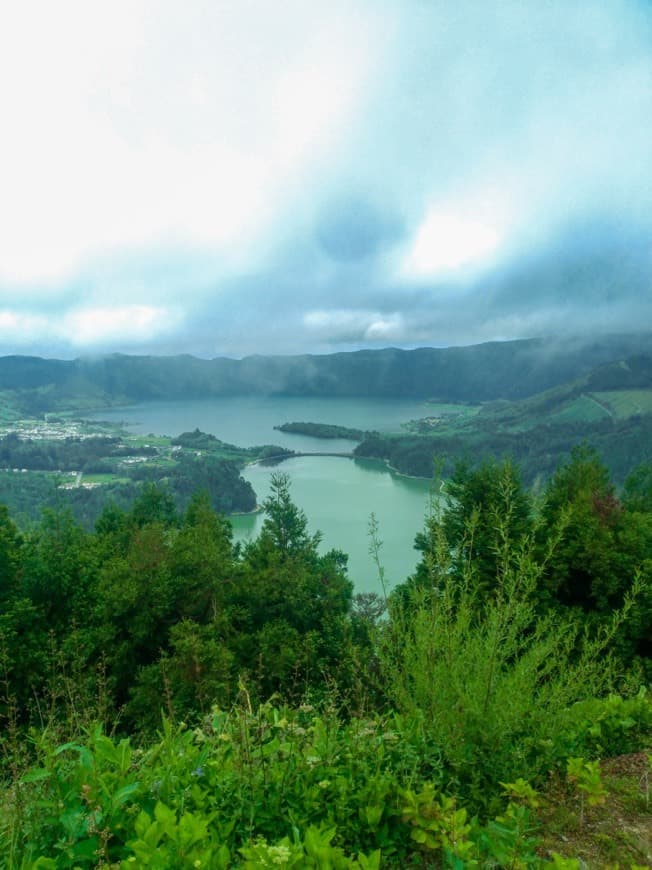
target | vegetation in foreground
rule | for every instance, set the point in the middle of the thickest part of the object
(170, 700)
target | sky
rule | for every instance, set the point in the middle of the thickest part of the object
(228, 177)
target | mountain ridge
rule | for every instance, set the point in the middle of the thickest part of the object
(471, 373)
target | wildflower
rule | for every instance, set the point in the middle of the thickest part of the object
(198, 771)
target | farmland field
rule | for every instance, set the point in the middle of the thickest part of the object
(584, 408)
(627, 403)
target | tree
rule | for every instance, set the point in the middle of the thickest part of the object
(201, 562)
(286, 589)
(154, 504)
(286, 525)
(58, 566)
(585, 569)
(10, 556)
(484, 509)
(637, 491)
(604, 546)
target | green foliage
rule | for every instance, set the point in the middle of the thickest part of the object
(489, 668)
(290, 603)
(637, 491)
(488, 673)
(10, 542)
(587, 777)
(323, 430)
(437, 824)
(80, 803)
(603, 548)
(239, 781)
(277, 786)
(606, 727)
(166, 841)
(314, 849)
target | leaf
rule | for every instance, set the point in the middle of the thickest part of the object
(85, 755)
(105, 749)
(86, 848)
(142, 824)
(418, 835)
(372, 815)
(123, 794)
(65, 746)
(36, 775)
(369, 862)
(164, 815)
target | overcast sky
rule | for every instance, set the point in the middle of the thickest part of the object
(242, 176)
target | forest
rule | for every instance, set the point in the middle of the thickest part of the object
(323, 430)
(170, 699)
(83, 472)
(609, 407)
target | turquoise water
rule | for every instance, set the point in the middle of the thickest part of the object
(338, 495)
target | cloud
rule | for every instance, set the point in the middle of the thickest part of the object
(355, 227)
(145, 124)
(19, 330)
(445, 242)
(350, 325)
(85, 328)
(247, 177)
(127, 324)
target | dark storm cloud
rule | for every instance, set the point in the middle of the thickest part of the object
(354, 227)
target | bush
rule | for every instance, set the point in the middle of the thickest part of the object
(491, 678)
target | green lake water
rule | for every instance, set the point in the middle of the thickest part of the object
(338, 494)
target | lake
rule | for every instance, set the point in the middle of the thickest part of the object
(338, 494)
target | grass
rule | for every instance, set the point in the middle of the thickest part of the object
(146, 440)
(584, 408)
(615, 834)
(627, 403)
(448, 408)
(104, 478)
(446, 417)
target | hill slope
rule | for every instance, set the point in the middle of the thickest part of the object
(609, 408)
(478, 373)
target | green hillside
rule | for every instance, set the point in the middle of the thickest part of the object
(479, 373)
(540, 430)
